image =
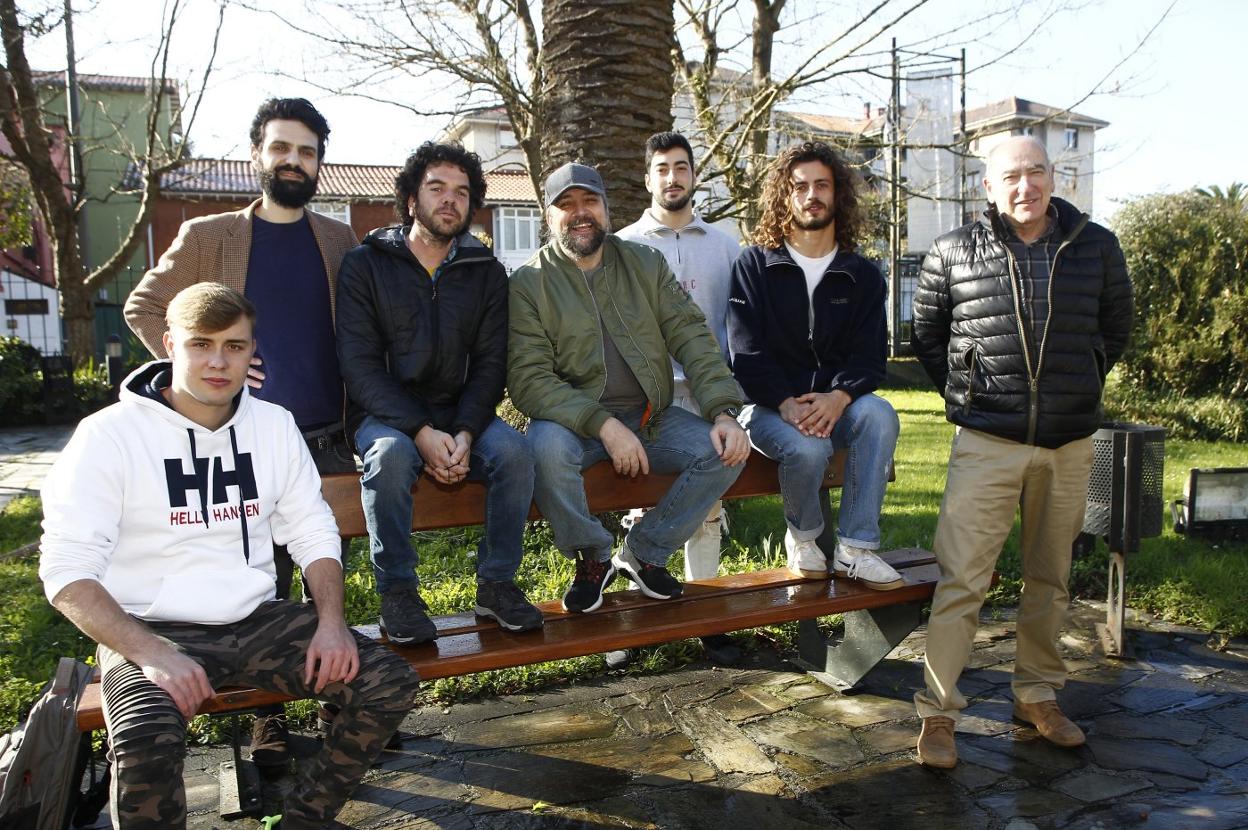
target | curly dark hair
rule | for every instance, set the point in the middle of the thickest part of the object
(776, 222)
(407, 183)
(291, 109)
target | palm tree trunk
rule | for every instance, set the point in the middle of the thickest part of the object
(608, 85)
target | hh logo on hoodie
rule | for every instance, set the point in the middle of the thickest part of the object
(182, 483)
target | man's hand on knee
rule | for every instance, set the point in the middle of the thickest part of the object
(180, 676)
(729, 440)
(332, 656)
(628, 456)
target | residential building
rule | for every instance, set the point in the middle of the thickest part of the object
(361, 195)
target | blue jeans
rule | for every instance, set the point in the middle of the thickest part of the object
(499, 457)
(682, 445)
(867, 431)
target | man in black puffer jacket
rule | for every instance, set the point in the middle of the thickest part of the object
(1017, 319)
(422, 345)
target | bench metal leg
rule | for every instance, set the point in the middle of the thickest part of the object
(869, 636)
(1113, 630)
(239, 782)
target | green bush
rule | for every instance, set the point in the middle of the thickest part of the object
(1187, 254)
(21, 383)
(1209, 418)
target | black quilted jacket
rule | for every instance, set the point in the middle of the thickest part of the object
(972, 338)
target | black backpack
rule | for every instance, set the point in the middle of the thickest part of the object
(43, 759)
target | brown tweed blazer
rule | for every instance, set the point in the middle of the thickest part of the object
(216, 248)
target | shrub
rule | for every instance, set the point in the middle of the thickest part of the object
(21, 383)
(1187, 254)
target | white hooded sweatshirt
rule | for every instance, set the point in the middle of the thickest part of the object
(177, 521)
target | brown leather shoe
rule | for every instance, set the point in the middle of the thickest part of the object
(269, 739)
(1049, 721)
(936, 746)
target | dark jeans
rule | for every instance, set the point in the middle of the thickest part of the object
(266, 649)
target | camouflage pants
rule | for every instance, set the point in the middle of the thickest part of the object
(266, 650)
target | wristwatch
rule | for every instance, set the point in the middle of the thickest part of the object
(732, 412)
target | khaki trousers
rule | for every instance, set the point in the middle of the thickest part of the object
(989, 478)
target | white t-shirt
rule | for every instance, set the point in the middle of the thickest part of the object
(814, 269)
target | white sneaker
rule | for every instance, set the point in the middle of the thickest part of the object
(632, 517)
(864, 566)
(805, 558)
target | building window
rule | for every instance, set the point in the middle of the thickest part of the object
(1031, 131)
(1072, 138)
(334, 210)
(1069, 179)
(506, 138)
(516, 230)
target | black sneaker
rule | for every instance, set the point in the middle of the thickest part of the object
(653, 580)
(270, 741)
(405, 617)
(507, 604)
(592, 578)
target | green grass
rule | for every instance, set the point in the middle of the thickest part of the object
(1188, 581)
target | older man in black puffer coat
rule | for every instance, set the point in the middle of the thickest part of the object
(1017, 319)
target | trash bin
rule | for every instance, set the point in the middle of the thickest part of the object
(59, 405)
(1124, 506)
(1124, 491)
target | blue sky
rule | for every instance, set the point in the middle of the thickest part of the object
(1173, 122)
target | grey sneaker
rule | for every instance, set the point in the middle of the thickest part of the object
(405, 617)
(508, 605)
(864, 566)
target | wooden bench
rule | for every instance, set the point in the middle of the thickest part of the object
(875, 620)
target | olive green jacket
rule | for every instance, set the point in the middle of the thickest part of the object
(556, 370)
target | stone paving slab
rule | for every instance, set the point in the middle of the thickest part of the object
(762, 747)
(26, 455)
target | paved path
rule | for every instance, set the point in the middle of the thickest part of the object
(765, 748)
(26, 454)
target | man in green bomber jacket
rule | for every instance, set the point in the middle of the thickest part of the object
(595, 322)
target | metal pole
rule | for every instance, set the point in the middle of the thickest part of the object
(894, 240)
(964, 148)
(72, 122)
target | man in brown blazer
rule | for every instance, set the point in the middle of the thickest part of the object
(285, 260)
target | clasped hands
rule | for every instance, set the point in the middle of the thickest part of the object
(446, 456)
(815, 413)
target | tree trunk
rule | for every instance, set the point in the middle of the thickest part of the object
(607, 87)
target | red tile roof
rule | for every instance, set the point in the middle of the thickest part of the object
(127, 83)
(347, 182)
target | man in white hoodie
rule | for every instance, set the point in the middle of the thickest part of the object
(159, 523)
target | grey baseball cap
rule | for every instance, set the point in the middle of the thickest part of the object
(573, 175)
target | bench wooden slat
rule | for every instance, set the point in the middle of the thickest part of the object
(627, 620)
(437, 506)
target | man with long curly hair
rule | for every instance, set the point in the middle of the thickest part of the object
(422, 341)
(808, 341)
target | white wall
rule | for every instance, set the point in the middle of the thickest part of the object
(43, 331)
